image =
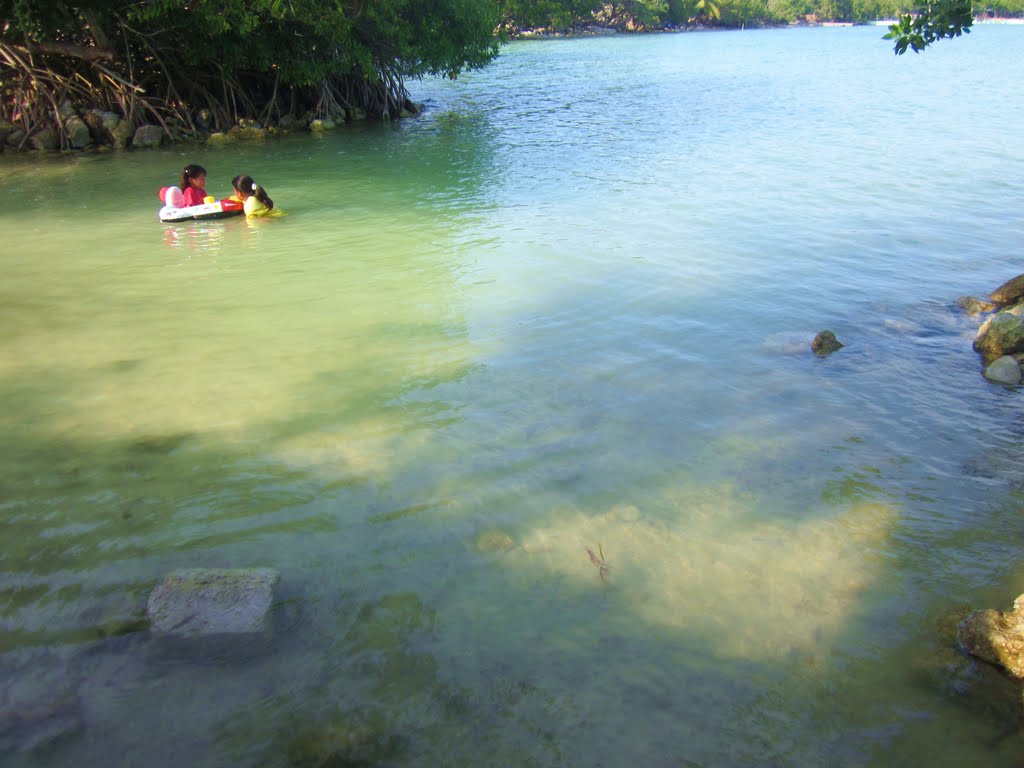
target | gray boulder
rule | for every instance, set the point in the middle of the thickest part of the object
(15, 137)
(102, 124)
(1004, 370)
(147, 136)
(120, 134)
(201, 602)
(1000, 335)
(77, 132)
(45, 139)
(996, 636)
(1009, 291)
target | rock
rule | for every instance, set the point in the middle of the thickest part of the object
(120, 134)
(1016, 309)
(252, 133)
(66, 110)
(199, 602)
(356, 113)
(1004, 370)
(5, 131)
(318, 126)
(1000, 335)
(1009, 291)
(341, 742)
(45, 139)
(825, 343)
(996, 637)
(148, 136)
(287, 122)
(78, 133)
(494, 540)
(15, 137)
(220, 139)
(975, 306)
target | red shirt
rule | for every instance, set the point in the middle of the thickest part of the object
(193, 196)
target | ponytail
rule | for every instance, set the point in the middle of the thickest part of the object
(262, 196)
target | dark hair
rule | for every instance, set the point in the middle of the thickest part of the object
(191, 172)
(247, 186)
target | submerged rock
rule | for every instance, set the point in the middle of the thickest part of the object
(39, 702)
(494, 540)
(996, 637)
(199, 602)
(825, 343)
(975, 306)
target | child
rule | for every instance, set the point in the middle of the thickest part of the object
(253, 196)
(193, 184)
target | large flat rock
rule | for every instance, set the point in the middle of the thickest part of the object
(201, 602)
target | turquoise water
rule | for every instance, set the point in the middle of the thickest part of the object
(569, 307)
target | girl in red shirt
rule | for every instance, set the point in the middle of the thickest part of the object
(193, 184)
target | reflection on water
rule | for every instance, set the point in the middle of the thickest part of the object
(487, 340)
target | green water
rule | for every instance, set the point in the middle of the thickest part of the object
(568, 308)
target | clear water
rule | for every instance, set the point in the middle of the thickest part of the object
(568, 307)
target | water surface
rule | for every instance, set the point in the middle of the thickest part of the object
(568, 307)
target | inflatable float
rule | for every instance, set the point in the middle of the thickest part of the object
(175, 209)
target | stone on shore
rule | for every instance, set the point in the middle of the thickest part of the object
(220, 139)
(201, 602)
(120, 134)
(318, 126)
(1004, 370)
(1001, 335)
(78, 133)
(996, 637)
(825, 343)
(45, 139)
(1009, 291)
(148, 136)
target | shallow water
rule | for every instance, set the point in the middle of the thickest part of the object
(568, 307)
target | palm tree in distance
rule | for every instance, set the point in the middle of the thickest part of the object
(706, 11)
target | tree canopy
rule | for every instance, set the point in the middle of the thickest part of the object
(230, 59)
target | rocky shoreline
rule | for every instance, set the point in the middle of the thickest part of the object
(1000, 338)
(90, 129)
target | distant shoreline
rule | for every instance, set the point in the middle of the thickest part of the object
(597, 30)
